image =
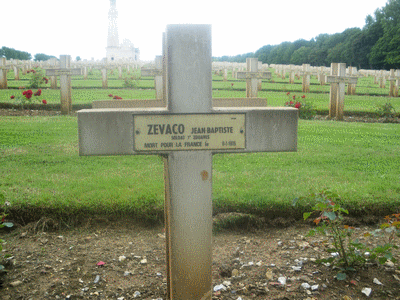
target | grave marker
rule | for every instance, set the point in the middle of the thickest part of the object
(306, 73)
(157, 74)
(3, 72)
(16, 71)
(382, 79)
(65, 72)
(104, 81)
(187, 133)
(252, 75)
(321, 75)
(351, 87)
(291, 74)
(394, 83)
(53, 79)
(85, 72)
(338, 79)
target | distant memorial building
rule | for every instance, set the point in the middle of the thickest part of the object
(114, 50)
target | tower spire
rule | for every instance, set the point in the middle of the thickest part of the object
(112, 39)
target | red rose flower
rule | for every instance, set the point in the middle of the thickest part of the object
(291, 103)
(110, 95)
(28, 94)
(297, 105)
(28, 71)
(44, 101)
(12, 97)
(303, 96)
(231, 84)
(288, 93)
(39, 91)
(45, 80)
(294, 97)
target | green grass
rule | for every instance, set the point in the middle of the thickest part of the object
(319, 101)
(81, 96)
(41, 171)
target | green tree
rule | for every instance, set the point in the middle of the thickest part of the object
(42, 57)
(9, 53)
(386, 52)
(393, 55)
(301, 56)
(335, 54)
(263, 53)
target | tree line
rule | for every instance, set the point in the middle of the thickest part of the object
(375, 46)
(11, 53)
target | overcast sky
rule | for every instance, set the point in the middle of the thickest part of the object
(79, 27)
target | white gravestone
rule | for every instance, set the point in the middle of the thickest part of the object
(53, 79)
(3, 73)
(351, 87)
(394, 83)
(338, 80)
(65, 72)
(187, 133)
(252, 76)
(157, 74)
(306, 73)
(16, 71)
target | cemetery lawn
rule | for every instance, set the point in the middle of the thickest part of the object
(42, 173)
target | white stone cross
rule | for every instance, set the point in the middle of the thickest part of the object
(338, 79)
(394, 83)
(104, 81)
(306, 73)
(65, 72)
(16, 69)
(104, 67)
(382, 78)
(3, 73)
(186, 134)
(351, 87)
(321, 75)
(252, 76)
(157, 73)
(53, 79)
(291, 73)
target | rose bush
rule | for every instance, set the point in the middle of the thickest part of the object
(306, 110)
(27, 97)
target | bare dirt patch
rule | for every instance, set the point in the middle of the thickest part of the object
(63, 264)
(28, 112)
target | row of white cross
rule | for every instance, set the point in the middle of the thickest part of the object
(253, 76)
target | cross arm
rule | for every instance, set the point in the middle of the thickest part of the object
(339, 79)
(257, 75)
(57, 72)
(115, 131)
(216, 102)
(151, 72)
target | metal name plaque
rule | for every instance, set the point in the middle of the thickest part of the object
(173, 132)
